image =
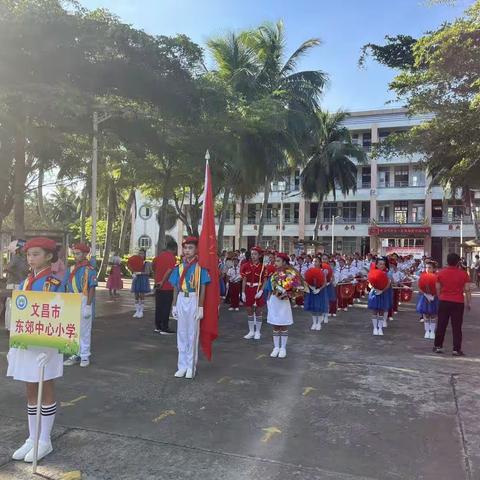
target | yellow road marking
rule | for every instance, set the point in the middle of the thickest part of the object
(270, 432)
(307, 390)
(224, 380)
(262, 355)
(72, 403)
(145, 370)
(163, 415)
(75, 475)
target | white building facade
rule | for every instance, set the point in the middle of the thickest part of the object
(395, 207)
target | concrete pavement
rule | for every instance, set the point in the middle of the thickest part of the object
(343, 405)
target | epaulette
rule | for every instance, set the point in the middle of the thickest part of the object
(54, 281)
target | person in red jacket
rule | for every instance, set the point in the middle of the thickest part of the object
(453, 290)
(253, 275)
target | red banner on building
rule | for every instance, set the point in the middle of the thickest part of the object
(399, 231)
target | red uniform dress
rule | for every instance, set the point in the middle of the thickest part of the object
(255, 275)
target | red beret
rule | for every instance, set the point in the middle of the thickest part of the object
(257, 249)
(41, 242)
(82, 247)
(283, 256)
(190, 241)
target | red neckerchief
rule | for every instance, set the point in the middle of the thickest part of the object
(185, 268)
(33, 278)
(85, 263)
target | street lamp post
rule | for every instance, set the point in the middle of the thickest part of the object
(280, 187)
(461, 236)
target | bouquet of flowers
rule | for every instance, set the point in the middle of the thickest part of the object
(287, 283)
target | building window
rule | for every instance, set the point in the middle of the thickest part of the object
(365, 212)
(296, 180)
(367, 140)
(329, 210)
(230, 214)
(400, 211)
(418, 212)
(252, 213)
(145, 242)
(296, 214)
(384, 177)
(349, 211)
(349, 244)
(418, 178)
(355, 139)
(383, 134)
(453, 245)
(366, 177)
(401, 176)
(384, 213)
(145, 212)
(454, 213)
(313, 211)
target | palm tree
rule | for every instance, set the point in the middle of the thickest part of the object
(330, 164)
(296, 93)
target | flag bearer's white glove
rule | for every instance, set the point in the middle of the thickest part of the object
(259, 294)
(244, 297)
(199, 313)
(174, 312)
(87, 312)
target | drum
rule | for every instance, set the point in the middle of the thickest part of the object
(406, 294)
(346, 290)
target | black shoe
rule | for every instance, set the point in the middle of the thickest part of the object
(167, 332)
(437, 350)
(458, 353)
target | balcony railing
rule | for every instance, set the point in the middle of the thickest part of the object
(392, 221)
(446, 219)
(402, 185)
(342, 221)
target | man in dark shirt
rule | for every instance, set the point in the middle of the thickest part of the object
(453, 290)
(163, 266)
(17, 268)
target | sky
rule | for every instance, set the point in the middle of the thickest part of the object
(343, 26)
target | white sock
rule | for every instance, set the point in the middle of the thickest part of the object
(259, 324)
(325, 318)
(276, 340)
(433, 327)
(251, 325)
(32, 421)
(47, 421)
(314, 320)
(284, 337)
(375, 322)
(426, 324)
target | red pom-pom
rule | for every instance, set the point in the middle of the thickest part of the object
(315, 277)
(135, 263)
(427, 282)
(326, 266)
(378, 278)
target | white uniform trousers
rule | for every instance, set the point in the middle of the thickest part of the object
(186, 325)
(86, 331)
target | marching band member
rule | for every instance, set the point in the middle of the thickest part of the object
(82, 278)
(189, 281)
(398, 278)
(279, 308)
(379, 298)
(316, 297)
(427, 304)
(25, 365)
(253, 277)
(234, 285)
(344, 278)
(332, 289)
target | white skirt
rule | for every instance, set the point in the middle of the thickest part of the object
(23, 366)
(279, 311)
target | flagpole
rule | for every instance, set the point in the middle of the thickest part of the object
(197, 286)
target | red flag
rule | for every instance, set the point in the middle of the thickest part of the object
(207, 258)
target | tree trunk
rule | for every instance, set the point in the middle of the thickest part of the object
(263, 214)
(242, 217)
(318, 219)
(473, 213)
(108, 237)
(127, 215)
(19, 181)
(40, 204)
(221, 220)
(162, 218)
(83, 216)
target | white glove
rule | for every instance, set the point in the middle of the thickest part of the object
(259, 294)
(429, 297)
(378, 292)
(42, 360)
(199, 313)
(87, 311)
(134, 276)
(174, 312)
(244, 297)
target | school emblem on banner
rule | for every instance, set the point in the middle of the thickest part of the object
(46, 319)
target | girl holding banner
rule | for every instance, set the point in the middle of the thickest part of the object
(25, 365)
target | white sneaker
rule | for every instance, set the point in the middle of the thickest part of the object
(85, 363)
(427, 334)
(231, 309)
(44, 448)
(432, 335)
(314, 326)
(275, 352)
(237, 309)
(257, 336)
(329, 314)
(282, 353)
(334, 314)
(73, 360)
(380, 332)
(20, 453)
(390, 318)
(318, 326)
(140, 314)
(189, 373)
(181, 373)
(249, 335)
(375, 331)
(135, 315)
(345, 309)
